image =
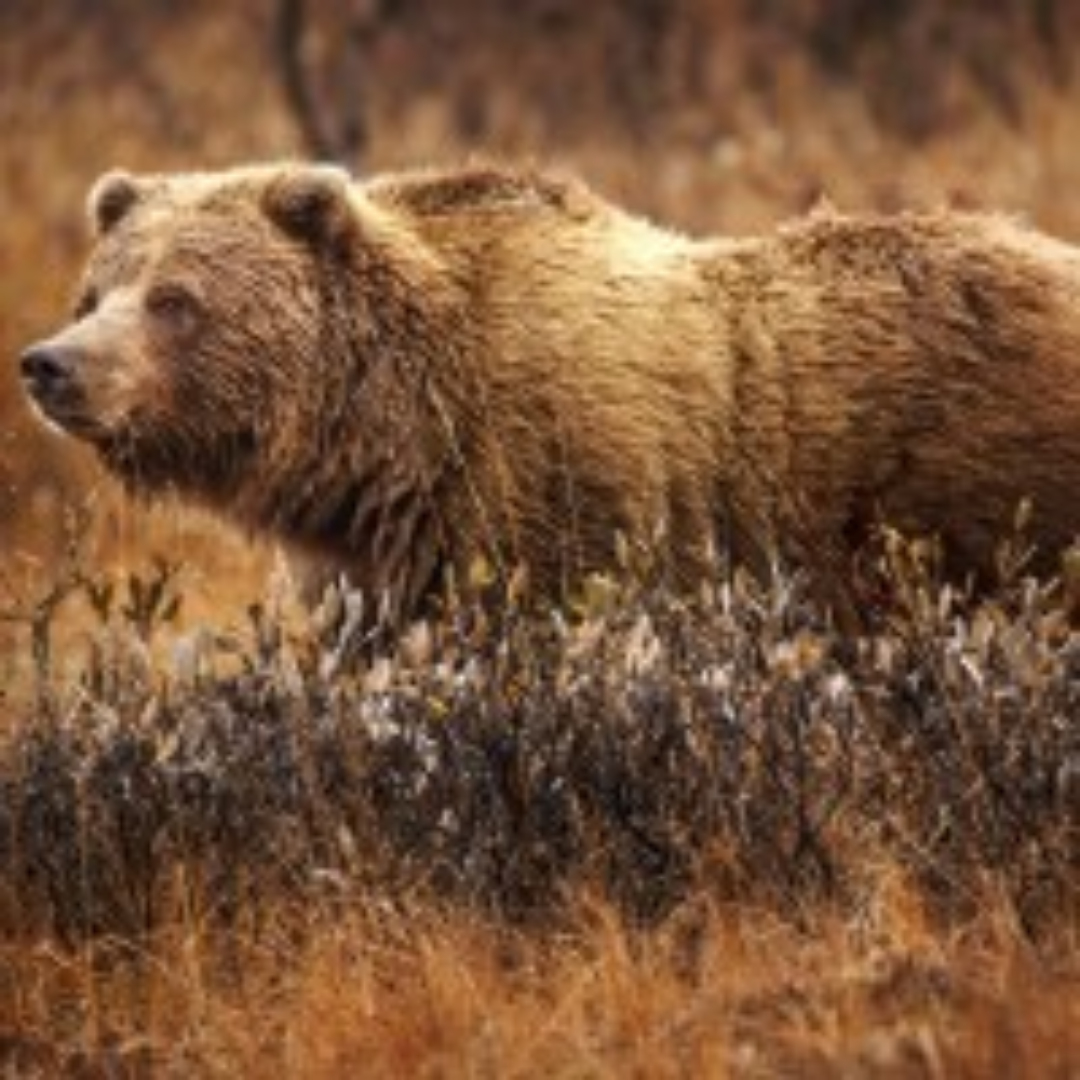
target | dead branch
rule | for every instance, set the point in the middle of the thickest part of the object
(338, 134)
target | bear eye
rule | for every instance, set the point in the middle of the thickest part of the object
(172, 302)
(86, 304)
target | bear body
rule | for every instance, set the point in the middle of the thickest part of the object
(397, 377)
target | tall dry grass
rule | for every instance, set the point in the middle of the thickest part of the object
(649, 836)
(410, 991)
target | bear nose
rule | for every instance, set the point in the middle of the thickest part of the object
(46, 368)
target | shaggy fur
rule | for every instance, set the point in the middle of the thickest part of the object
(397, 376)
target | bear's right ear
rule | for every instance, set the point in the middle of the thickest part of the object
(111, 198)
(312, 204)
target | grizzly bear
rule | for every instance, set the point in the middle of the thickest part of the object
(399, 377)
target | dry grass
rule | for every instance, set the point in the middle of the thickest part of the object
(646, 839)
(412, 991)
(651, 838)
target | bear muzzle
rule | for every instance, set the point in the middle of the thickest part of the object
(50, 374)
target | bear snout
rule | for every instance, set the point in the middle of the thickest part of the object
(51, 377)
(47, 369)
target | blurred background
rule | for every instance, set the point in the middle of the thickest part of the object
(712, 115)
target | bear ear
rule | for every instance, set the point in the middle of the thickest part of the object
(312, 205)
(111, 198)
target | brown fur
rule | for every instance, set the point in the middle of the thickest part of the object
(395, 377)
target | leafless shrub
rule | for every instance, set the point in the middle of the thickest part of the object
(644, 747)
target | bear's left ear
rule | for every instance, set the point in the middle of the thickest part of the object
(312, 204)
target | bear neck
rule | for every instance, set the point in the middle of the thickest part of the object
(360, 475)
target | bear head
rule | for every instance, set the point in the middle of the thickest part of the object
(209, 313)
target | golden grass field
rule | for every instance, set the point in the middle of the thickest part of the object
(890, 887)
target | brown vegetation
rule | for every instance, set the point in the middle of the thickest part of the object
(645, 835)
(644, 838)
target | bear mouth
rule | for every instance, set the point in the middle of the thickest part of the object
(68, 415)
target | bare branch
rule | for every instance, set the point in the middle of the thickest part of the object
(326, 136)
